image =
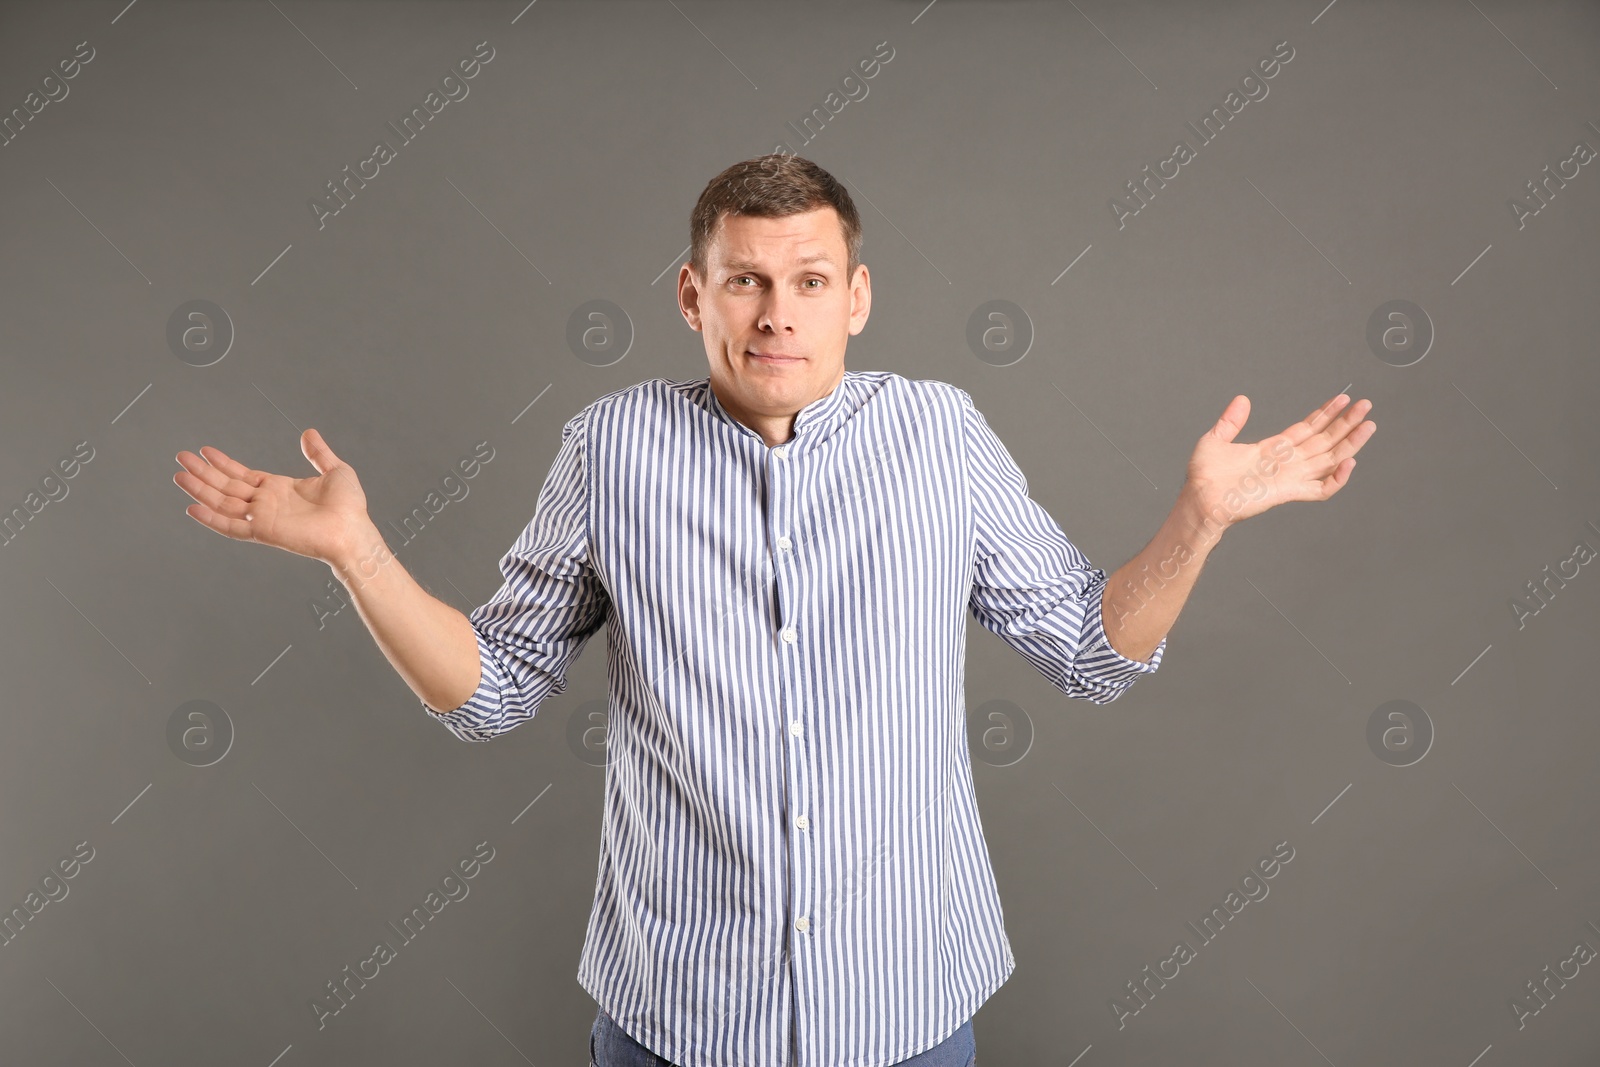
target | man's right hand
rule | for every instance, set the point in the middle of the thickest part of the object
(431, 644)
(322, 517)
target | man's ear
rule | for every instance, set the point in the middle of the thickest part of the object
(861, 300)
(689, 297)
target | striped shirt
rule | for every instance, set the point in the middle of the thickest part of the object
(792, 867)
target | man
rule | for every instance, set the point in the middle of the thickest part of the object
(792, 867)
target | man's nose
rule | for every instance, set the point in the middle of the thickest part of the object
(777, 313)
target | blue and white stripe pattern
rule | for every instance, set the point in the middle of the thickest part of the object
(792, 868)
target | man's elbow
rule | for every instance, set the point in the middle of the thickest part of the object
(460, 727)
(1102, 695)
(503, 708)
(1106, 675)
(1095, 690)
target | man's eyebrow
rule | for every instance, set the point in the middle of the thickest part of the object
(744, 264)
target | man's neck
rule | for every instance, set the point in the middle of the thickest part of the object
(774, 429)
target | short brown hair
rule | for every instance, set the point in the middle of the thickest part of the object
(771, 186)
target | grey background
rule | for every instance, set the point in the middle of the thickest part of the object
(432, 312)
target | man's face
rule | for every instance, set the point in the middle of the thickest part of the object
(775, 288)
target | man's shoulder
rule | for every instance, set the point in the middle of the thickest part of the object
(933, 387)
(651, 393)
(917, 392)
(888, 383)
(649, 390)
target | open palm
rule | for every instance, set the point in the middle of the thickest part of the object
(1310, 460)
(312, 517)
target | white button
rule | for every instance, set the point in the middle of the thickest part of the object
(801, 924)
(789, 635)
(784, 543)
(801, 822)
(794, 728)
(780, 451)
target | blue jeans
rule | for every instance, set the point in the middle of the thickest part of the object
(611, 1046)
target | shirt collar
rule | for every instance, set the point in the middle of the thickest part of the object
(814, 421)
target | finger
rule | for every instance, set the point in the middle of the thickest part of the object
(1324, 412)
(237, 529)
(1353, 442)
(316, 450)
(1337, 481)
(229, 466)
(1341, 428)
(1334, 430)
(1232, 420)
(216, 478)
(1314, 422)
(218, 502)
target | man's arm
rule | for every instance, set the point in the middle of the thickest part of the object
(1031, 585)
(552, 601)
(480, 675)
(430, 643)
(325, 518)
(1142, 598)
(1227, 482)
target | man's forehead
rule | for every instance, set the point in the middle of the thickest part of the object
(746, 242)
(741, 260)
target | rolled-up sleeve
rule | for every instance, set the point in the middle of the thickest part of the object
(548, 607)
(1031, 586)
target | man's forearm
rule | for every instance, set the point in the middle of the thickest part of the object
(1142, 598)
(430, 643)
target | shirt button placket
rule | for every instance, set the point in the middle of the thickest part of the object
(781, 518)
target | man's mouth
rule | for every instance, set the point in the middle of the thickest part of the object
(775, 359)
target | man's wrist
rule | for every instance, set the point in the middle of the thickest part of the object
(1198, 528)
(362, 554)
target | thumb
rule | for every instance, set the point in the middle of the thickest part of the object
(1234, 416)
(317, 451)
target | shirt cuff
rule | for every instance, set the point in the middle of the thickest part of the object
(474, 719)
(1099, 661)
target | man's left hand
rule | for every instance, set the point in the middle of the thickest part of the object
(1310, 460)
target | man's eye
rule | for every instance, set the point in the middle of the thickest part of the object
(746, 278)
